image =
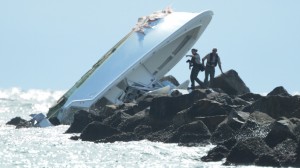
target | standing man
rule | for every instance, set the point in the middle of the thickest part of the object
(212, 60)
(195, 69)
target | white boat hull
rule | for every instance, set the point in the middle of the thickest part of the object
(139, 60)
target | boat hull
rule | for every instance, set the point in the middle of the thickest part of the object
(139, 60)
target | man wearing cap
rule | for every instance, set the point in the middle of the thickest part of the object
(195, 69)
(212, 60)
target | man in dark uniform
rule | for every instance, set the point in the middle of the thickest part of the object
(196, 69)
(212, 60)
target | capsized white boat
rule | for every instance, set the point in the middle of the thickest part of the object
(40, 120)
(136, 63)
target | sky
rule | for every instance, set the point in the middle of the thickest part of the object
(50, 44)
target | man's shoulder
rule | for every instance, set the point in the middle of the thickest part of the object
(207, 55)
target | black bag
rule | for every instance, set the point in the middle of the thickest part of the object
(192, 62)
(201, 67)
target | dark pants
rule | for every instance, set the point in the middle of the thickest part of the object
(194, 77)
(209, 70)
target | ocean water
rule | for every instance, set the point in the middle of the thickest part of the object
(50, 147)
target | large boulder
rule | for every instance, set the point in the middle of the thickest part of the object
(258, 124)
(96, 131)
(81, 120)
(132, 108)
(277, 106)
(227, 99)
(230, 83)
(195, 133)
(165, 108)
(116, 119)
(250, 97)
(280, 130)
(19, 123)
(297, 162)
(16, 121)
(245, 152)
(209, 111)
(236, 119)
(140, 118)
(104, 111)
(182, 117)
(267, 159)
(212, 122)
(222, 133)
(206, 107)
(216, 154)
(142, 130)
(285, 152)
(279, 91)
(162, 135)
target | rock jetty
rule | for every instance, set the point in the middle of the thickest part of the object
(246, 128)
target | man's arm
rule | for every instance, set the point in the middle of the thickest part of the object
(220, 66)
(204, 58)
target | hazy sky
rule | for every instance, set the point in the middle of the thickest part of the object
(50, 44)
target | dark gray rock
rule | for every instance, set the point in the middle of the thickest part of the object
(129, 124)
(229, 143)
(103, 108)
(223, 133)
(20, 123)
(81, 120)
(142, 130)
(220, 97)
(145, 100)
(297, 161)
(236, 119)
(216, 154)
(245, 152)
(250, 97)
(116, 119)
(133, 108)
(279, 91)
(165, 108)
(230, 83)
(280, 131)
(182, 118)
(257, 125)
(16, 121)
(75, 137)
(162, 135)
(285, 152)
(296, 130)
(225, 99)
(277, 106)
(248, 129)
(267, 160)
(195, 132)
(206, 107)
(212, 122)
(96, 131)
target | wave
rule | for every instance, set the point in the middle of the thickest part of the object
(39, 100)
(36, 95)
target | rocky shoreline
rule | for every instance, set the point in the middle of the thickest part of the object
(247, 128)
